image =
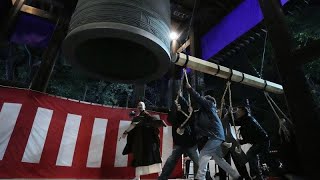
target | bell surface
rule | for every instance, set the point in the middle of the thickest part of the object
(120, 40)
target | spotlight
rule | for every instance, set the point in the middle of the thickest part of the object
(173, 36)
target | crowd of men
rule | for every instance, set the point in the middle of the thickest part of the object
(210, 131)
(201, 133)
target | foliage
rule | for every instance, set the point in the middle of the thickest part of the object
(69, 83)
(305, 28)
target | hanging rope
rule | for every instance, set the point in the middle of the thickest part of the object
(228, 89)
(231, 110)
(282, 127)
(191, 20)
(263, 54)
(181, 129)
(222, 104)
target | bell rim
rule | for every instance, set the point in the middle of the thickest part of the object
(122, 31)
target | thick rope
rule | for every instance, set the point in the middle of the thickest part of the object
(282, 127)
(180, 130)
(231, 110)
(228, 89)
(263, 55)
(275, 104)
(238, 148)
(271, 102)
(222, 104)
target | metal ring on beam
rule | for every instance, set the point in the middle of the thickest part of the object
(177, 58)
(187, 60)
(231, 74)
(242, 78)
(265, 85)
(218, 71)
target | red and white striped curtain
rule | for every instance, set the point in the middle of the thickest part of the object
(42, 136)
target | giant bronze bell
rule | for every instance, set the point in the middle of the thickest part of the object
(120, 40)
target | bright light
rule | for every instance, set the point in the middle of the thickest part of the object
(173, 36)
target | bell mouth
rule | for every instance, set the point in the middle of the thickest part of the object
(116, 52)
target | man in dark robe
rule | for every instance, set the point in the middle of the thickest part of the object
(144, 142)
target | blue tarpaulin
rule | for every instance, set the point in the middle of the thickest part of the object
(243, 18)
(32, 30)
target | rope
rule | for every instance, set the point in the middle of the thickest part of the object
(228, 89)
(223, 98)
(282, 126)
(231, 110)
(238, 148)
(191, 20)
(263, 55)
(275, 104)
(180, 130)
(271, 102)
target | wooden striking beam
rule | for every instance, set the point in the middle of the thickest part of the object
(227, 73)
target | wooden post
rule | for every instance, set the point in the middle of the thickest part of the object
(183, 47)
(195, 50)
(11, 19)
(41, 79)
(298, 95)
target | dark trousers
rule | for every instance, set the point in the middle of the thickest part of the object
(176, 154)
(262, 150)
(240, 166)
(208, 176)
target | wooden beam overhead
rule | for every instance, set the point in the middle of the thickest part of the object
(36, 12)
(184, 46)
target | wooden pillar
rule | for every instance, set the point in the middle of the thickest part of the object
(195, 50)
(42, 77)
(300, 102)
(5, 7)
(11, 19)
(173, 85)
